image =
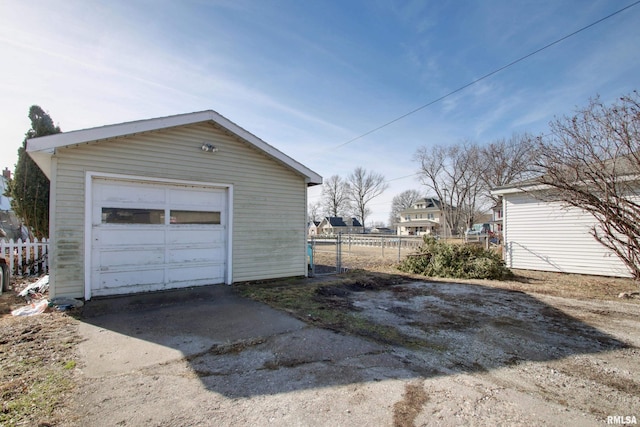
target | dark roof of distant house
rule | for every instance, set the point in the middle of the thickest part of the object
(355, 222)
(432, 202)
(428, 202)
(338, 221)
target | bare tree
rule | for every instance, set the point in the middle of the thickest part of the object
(364, 186)
(453, 174)
(591, 161)
(473, 187)
(505, 162)
(315, 211)
(403, 201)
(335, 196)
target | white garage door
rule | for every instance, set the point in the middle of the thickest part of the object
(153, 236)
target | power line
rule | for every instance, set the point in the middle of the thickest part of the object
(504, 67)
(402, 177)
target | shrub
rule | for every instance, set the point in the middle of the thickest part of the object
(439, 259)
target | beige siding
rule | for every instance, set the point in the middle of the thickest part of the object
(543, 236)
(268, 206)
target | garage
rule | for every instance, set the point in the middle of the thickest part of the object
(148, 236)
(170, 202)
(546, 235)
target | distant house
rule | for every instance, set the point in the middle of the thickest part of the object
(5, 202)
(423, 217)
(11, 228)
(312, 228)
(333, 225)
(382, 230)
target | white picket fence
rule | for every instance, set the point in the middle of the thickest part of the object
(26, 257)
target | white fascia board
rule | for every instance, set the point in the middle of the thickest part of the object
(66, 139)
(503, 191)
(514, 190)
(45, 146)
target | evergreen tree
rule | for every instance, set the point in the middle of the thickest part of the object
(30, 187)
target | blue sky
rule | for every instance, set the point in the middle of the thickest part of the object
(308, 76)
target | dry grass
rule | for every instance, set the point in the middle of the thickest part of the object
(557, 284)
(37, 360)
(406, 410)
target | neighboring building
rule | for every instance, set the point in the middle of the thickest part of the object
(170, 202)
(333, 225)
(496, 220)
(312, 228)
(382, 230)
(424, 217)
(542, 235)
(11, 228)
(5, 202)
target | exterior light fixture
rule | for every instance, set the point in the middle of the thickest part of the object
(208, 147)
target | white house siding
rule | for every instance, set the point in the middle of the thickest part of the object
(268, 225)
(543, 236)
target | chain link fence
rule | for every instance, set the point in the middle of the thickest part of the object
(342, 252)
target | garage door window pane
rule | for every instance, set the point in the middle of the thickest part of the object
(132, 216)
(195, 217)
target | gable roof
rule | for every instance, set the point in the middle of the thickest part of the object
(355, 223)
(338, 221)
(433, 203)
(41, 149)
(430, 203)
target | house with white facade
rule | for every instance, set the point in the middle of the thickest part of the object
(333, 225)
(423, 217)
(11, 228)
(312, 228)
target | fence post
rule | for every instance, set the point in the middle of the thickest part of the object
(339, 253)
(19, 266)
(399, 246)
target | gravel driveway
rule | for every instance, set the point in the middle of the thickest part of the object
(481, 356)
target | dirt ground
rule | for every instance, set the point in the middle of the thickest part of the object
(542, 349)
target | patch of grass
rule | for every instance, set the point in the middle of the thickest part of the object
(35, 368)
(327, 304)
(384, 334)
(31, 402)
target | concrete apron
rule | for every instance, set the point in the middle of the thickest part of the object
(127, 333)
(130, 333)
